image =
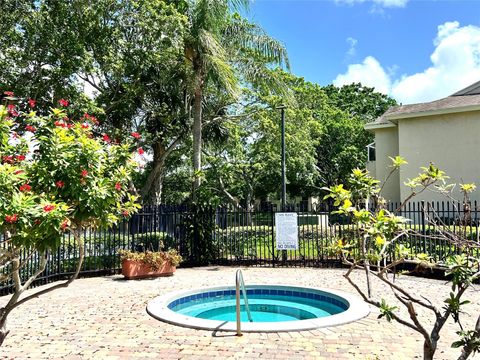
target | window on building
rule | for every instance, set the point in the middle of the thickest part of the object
(371, 152)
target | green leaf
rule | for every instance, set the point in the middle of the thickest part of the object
(386, 310)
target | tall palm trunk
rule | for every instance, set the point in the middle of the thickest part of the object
(197, 135)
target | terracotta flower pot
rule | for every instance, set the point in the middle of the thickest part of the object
(132, 269)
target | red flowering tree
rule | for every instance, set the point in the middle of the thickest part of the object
(56, 176)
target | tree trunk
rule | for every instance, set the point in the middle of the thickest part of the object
(430, 345)
(3, 326)
(249, 208)
(152, 190)
(197, 135)
(233, 200)
(428, 351)
(156, 196)
(19, 288)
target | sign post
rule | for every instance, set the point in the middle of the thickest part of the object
(286, 231)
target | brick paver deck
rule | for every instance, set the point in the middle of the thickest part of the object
(105, 318)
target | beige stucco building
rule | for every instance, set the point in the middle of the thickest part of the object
(445, 132)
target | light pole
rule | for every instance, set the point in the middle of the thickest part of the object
(284, 179)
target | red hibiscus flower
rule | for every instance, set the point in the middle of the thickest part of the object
(63, 102)
(84, 173)
(90, 118)
(136, 135)
(20, 157)
(106, 138)
(8, 159)
(32, 103)
(11, 110)
(118, 186)
(60, 184)
(25, 187)
(30, 128)
(64, 224)
(60, 123)
(140, 151)
(11, 218)
(8, 93)
(48, 208)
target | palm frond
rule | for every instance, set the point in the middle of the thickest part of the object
(260, 75)
(210, 45)
(208, 14)
(215, 58)
(240, 34)
(239, 5)
(216, 131)
(223, 72)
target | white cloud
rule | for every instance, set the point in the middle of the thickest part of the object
(369, 73)
(455, 64)
(381, 3)
(352, 43)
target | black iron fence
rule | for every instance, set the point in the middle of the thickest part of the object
(240, 237)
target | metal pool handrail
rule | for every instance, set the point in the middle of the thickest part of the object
(239, 283)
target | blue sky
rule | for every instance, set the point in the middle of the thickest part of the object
(413, 50)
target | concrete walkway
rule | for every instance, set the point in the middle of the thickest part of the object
(105, 318)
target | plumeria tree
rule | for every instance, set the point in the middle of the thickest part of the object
(378, 248)
(57, 175)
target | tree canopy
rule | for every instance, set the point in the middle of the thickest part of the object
(122, 60)
(324, 142)
(358, 100)
(192, 78)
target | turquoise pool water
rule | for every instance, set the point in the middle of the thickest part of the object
(265, 305)
(275, 308)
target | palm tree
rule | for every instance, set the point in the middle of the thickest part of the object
(224, 48)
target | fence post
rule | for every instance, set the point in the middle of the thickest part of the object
(424, 232)
(59, 264)
(272, 213)
(194, 239)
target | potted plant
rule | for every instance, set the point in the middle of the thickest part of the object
(138, 265)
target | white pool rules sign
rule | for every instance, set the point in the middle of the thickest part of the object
(286, 231)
